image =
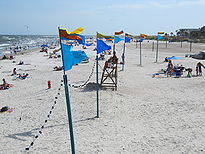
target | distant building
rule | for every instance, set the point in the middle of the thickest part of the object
(186, 32)
(194, 33)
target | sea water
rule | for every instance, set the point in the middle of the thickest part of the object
(24, 42)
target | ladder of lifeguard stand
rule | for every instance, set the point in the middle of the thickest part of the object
(109, 73)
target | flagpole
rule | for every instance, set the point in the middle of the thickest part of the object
(157, 50)
(140, 53)
(97, 84)
(114, 53)
(68, 104)
(153, 46)
(123, 56)
(136, 43)
(190, 45)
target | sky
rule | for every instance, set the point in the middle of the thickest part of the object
(43, 17)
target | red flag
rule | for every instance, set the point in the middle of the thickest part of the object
(119, 33)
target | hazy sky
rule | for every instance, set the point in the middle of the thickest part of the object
(105, 16)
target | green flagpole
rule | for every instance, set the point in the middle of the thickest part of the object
(123, 56)
(152, 46)
(190, 45)
(97, 85)
(68, 104)
(140, 53)
(136, 43)
(157, 51)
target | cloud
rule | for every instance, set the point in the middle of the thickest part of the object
(158, 5)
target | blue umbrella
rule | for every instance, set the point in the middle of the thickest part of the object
(174, 58)
(44, 45)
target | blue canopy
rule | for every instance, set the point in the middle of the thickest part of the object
(44, 45)
(174, 58)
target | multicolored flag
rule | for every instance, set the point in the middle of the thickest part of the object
(104, 36)
(77, 31)
(117, 39)
(70, 57)
(143, 35)
(119, 33)
(102, 46)
(159, 37)
(63, 33)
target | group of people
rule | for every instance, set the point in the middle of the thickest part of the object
(178, 70)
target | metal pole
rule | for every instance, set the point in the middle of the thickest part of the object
(97, 86)
(166, 43)
(152, 46)
(140, 53)
(114, 53)
(157, 50)
(136, 43)
(69, 114)
(181, 44)
(68, 104)
(190, 46)
(123, 57)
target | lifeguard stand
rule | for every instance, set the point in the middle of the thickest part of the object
(109, 75)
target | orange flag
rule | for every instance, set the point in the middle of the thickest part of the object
(119, 33)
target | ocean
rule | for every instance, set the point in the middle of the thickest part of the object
(24, 42)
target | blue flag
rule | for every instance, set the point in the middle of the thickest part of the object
(159, 37)
(102, 46)
(117, 39)
(127, 39)
(70, 57)
(141, 40)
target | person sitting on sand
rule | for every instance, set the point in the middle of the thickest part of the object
(165, 59)
(189, 72)
(23, 76)
(21, 63)
(5, 85)
(14, 72)
(58, 68)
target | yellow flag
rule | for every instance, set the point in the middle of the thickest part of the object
(104, 36)
(160, 32)
(77, 31)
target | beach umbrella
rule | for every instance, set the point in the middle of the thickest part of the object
(174, 58)
(44, 45)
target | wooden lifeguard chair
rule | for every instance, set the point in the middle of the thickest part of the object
(109, 75)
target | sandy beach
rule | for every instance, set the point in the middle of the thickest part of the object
(146, 115)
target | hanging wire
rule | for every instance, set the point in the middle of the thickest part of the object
(48, 116)
(85, 83)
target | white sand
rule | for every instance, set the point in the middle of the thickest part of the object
(145, 115)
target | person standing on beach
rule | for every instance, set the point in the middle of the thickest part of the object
(169, 68)
(199, 67)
